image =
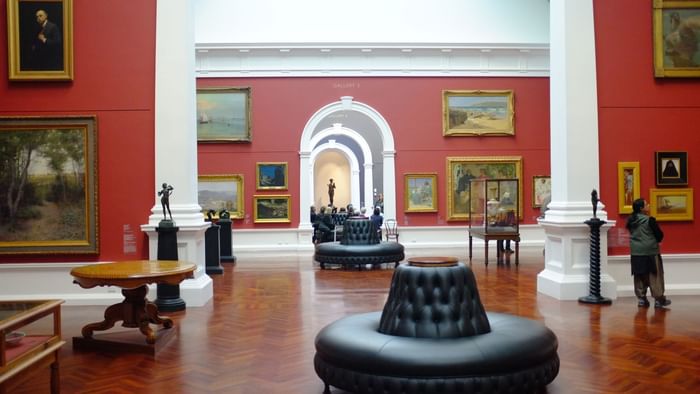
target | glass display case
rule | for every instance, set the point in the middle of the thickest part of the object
(493, 205)
(494, 214)
(30, 337)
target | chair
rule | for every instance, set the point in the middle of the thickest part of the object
(391, 231)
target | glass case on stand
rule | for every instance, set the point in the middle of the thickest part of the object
(494, 212)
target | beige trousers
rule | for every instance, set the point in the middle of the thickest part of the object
(655, 282)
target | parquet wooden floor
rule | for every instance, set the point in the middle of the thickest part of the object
(257, 334)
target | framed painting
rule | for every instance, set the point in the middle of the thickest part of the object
(627, 185)
(461, 171)
(220, 192)
(676, 29)
(541, 190)
(40, 40)
(223, 115)
(48, 185)
(420, 192)
(271, 209)
(271, 176)
(477, 112)
(671, 204)
(671, 168)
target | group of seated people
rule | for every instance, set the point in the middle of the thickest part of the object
(328, 218)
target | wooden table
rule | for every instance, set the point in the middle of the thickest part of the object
(38, 349)
(133, 277)
(432, 261)
(494, 235)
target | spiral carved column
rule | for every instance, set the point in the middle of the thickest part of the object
(594, 296)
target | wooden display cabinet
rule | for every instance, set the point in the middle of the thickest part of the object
(494, 214)
(24, 356)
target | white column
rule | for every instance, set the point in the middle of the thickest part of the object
(389, 184)
(574, 155)
(306, 188)
(369, 188)
(176, 142)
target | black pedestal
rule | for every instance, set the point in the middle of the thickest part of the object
(594, 296)
(168, 299)
(225, 241)
(211, 251)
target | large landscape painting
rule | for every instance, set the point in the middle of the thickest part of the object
(48, 185)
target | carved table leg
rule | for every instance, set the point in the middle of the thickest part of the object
(134, 312)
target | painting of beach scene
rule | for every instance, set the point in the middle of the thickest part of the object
(477, 112)
(221, 192)
(671, 204)
(223, 115)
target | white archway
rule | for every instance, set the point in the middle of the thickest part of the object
(354, 168)
(306, 147)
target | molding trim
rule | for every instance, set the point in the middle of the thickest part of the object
(375, 59)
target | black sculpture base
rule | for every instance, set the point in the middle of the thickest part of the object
(592, 299)
(225, 241)
(211, 251)
(168, 299)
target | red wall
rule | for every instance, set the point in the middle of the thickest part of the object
(281, 107)
(640, 114)
(114, 79)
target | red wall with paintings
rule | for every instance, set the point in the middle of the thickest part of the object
(640, 114)
(412, 107)
(114, 79)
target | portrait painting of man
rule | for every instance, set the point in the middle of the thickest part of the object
(40, 39)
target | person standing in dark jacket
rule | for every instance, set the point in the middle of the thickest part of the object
(645, 255)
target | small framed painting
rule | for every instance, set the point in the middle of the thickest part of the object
(272, 176)
(671, 204)
(541, 189)
(219, 192)
(271, 209)
(671, 168)
(420, 192)
(627, 185)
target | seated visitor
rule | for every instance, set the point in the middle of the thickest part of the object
(325, 226)
(378, 220)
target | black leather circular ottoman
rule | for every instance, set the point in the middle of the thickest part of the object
(433, 336)
(379, 253)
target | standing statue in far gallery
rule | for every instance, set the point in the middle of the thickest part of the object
(331, 191)
(164, 194)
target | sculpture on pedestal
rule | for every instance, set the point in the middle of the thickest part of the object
(595, 224)
(164, 194)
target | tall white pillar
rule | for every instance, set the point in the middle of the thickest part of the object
(389, 184)
(176, 142)
(369, 188)
(573, 155)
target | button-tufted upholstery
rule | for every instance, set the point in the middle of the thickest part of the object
(359, 246)
(434, 303)
(433, 336)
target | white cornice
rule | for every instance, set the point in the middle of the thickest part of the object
(371, 59)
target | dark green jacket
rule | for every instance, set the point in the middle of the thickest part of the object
(645, 235)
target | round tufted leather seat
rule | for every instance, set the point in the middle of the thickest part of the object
(359, 246)
(433, 336)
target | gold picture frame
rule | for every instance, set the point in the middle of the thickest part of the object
(271, 176)
(628, 188)
(224, 115)
(420, 192)
(461, 170)
(49, 168)
(477, 112)
(671, 204)
(676, 25)
(271, 209)
(40, 52)
(541, 189)
(219, 192)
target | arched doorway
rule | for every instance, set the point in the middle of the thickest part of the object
(358, 124)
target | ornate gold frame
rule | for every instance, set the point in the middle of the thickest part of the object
(231, 181)
(214, 105)
(20, 12)
(273, 199)
(482, 115)
(683, 14)
(672, 198)
(412, 190)
(623, 169)
(511, 164)
(260, 172)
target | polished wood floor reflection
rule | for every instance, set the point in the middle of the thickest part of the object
(257, 334)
